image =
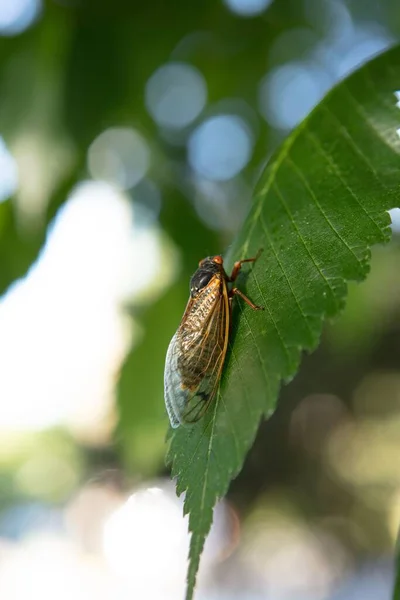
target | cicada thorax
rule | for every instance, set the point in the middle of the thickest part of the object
(199, 339)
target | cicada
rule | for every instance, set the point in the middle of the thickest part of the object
(196, 353)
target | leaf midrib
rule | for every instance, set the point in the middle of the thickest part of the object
(276, 164)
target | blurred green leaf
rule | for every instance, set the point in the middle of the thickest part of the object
(35, 62)
(368, 312)
(19, 250)
(320, 205)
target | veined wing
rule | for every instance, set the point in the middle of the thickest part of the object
(195, 358)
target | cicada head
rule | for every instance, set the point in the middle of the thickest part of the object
(217, 260)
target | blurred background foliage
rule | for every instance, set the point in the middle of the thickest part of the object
(131, 137)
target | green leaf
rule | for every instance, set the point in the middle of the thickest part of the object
(319, 206)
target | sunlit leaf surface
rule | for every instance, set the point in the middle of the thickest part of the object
(320, 205)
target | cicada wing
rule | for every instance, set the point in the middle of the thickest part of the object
(198, 402)
(202, 366)
(176, 396)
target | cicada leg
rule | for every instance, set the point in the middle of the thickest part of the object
(236, 292)
(235, 272)
(238, 265)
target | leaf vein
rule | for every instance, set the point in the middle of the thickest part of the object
(288, 212)
(266, 306)
(333, 165)
(266, 231)
(273, 169)
(239, 370)
(262, 362)
(235, 439)
(379, 133)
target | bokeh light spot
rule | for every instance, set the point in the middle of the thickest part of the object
(332, 18)
(395, 218)
(148, 530)
(365, 43)
(18, 15)
(220, 147)
(175, 95)
(67, 312)
(8, 172)
(288, 93)
(222, 205)
(247, 8)
(147, 534)
(147, 199)
(120, 156)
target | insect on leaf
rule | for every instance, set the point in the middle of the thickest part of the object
(319, 206)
